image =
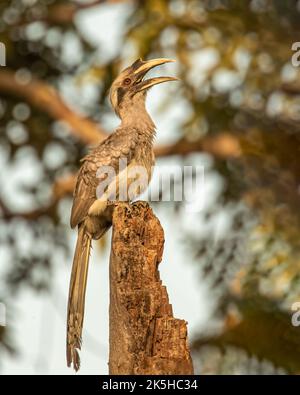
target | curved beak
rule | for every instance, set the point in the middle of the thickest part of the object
(140, 68)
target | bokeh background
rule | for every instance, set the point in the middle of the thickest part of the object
(232, 269)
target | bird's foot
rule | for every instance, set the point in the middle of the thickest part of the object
(141, 203)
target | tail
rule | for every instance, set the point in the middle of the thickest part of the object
(77, 297)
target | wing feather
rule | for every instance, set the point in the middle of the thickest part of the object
(120, 144)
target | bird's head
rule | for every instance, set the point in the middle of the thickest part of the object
(128, 90)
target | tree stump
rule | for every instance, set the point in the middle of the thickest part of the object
(144, 337)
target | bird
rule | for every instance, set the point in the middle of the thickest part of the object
(132, 144)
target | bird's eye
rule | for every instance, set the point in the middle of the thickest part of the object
(127, 81)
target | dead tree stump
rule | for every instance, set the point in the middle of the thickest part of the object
(144, 337)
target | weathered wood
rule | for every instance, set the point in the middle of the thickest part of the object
(145, 338)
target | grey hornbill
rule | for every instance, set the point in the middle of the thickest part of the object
(132, 141)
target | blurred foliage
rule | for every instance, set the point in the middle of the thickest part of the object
(234, 60)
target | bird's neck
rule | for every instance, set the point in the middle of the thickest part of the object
(138, 118)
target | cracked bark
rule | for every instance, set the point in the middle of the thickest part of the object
(145, 338)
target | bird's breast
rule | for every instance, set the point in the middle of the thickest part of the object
(128, 183)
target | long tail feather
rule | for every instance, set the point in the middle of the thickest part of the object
(77, 297)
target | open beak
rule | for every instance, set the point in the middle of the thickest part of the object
(142, 68)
